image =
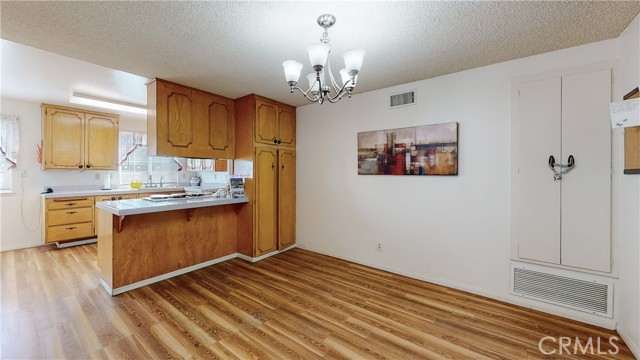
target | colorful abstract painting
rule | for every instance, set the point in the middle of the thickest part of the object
(419, 150)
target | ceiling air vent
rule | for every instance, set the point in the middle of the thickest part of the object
(404, 99)
(590, 296)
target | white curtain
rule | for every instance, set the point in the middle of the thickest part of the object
(129, 141)
(9, 139)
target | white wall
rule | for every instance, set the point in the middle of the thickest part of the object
(628, 211)
(451, 230)
(20, 213)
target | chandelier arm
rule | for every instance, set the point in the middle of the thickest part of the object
(306, 94)
(339, 93)
(337, 98)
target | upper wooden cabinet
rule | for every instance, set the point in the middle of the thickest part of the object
(275, 123)
(186, 122)
(79, 139)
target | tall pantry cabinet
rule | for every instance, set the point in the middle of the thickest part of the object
(265, 135)
(563, 220)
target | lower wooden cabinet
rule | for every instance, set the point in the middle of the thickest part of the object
(68, 219)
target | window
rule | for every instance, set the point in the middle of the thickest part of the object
(9, 145)
(136, 165)
(6, 173)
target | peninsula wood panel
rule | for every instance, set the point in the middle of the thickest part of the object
(297, 305)
(158, 243)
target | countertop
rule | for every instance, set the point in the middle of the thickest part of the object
(69, 191)
(142, 206)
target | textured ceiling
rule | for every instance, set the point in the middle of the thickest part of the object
(235, 48)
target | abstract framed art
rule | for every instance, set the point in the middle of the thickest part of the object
(418, 150)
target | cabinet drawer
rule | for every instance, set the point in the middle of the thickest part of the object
(56, 204)
(115, 197)
(69, 232)
(69, 216)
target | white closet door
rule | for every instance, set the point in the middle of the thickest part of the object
(586, 190)
(536, 197)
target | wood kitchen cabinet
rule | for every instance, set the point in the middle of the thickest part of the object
(187, 122)
(79, 139)
(68, 219)
(267, 222)
(275, 123)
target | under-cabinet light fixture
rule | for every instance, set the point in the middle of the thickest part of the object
(89, 100)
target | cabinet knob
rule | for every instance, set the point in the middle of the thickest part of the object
(119, 197)
(80, 166)
(113, 198)
(88, 166)
(275, 141)
(279, 141)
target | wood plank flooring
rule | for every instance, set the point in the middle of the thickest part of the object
(296, 305)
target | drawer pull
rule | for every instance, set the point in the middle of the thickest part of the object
(71, 212)
(70, 228)
(70, 204)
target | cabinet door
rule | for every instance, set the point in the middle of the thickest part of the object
(101, 142)
(286, 198)
(220, 142)
(586, 190)
(175, 112)
(535, 196)
(63, 139)
(287, 126)
(266, 160)
(266, 122)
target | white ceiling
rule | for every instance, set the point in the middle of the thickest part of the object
(235, 48)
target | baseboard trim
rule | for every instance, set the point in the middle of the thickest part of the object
(262, 257)
(511, 299)
(21, 246)
(633, 346)
(166, 276)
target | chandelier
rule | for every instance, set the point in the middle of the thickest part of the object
(319, 88)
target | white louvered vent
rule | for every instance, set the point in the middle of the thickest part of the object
(590, 296)
(404, 99)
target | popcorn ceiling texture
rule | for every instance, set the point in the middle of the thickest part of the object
(236, 48)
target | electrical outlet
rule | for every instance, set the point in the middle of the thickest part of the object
(24, 173)
(379, 247)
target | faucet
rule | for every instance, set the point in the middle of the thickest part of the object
(161, 180)
(150, 179)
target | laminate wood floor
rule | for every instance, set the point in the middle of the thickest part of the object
(296, 305)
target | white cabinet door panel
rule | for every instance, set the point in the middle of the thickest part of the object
(586, 190)
(535, 196)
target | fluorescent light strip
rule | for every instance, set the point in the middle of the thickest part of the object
(89, 100)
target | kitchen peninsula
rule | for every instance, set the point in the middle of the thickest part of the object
(141, 242)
